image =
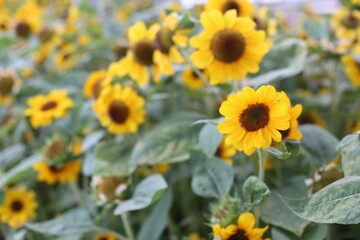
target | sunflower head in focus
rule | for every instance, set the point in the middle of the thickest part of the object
(352, 69)
(43, 109)
(104, 236)
(243, 8)
(225, 152)
(253, 119)
(140, 55)
(95, 83)
(19, 205)
(244, 229)
(346, 23)
(8, 84)
(120, 109)
(63, 173)
(292, 132)
(28, 19)
(229, 47)
(192, 80)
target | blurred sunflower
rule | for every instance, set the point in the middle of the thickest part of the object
(65, 59)
(195, 236)
(8, 84)
(95, 83)
(104, 236)
(120, 109)
(147, 170)
(19, 205)
(254, 118)
(28, 19)
(225, 152)
(229, 47)
(191, 80)
(140, 55)
(312, 117)
(244, 229)
(52, 174)
(346, 23)
(45, 108)
(243, 7)
(352, 69)
(4, 20)
(108, 188)
(293, 132)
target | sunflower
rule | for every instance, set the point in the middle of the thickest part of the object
(8, 84)
(225, 152)
(52, 174)
(65, 59)
(166, 42)
(293, 132)
(4, 20)
(243, 7)
(195, 236)
(229, 47)
(346, 23)
(312, 117)
(352, 69)
(28, 19)
(104, 236)
(243, 230)
(120, 109)
(95, 83)
(45, 108)
(191, 79)
(140, 55)
(254, 119)
(19, 205)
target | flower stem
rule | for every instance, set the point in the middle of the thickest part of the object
(76, 191)
(105, 230)
(262, 154)
(128, 230)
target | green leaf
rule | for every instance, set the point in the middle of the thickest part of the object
(156, 223)
(112, 159)
(19, 171)
(349, 148)
(290, 151)
(333, 204)
(319, 143)
(318, 30)
(209, 139)
(91, 140)
(186, 22)
(281, 234)
(72, 222)
(315, 231)
(11, 154)
(288, 58)
(255, 191)
(211, 177)
(148, 191)
(169, 141)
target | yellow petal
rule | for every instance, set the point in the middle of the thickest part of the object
(246, 221)
(202, 58)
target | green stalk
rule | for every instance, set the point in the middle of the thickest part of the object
(262, 154)
(127, 226)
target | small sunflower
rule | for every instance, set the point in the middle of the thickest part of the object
(346, 23)
(312, 117)
(52, 174)
(195, 236)
(229, 47)
(191, 80)
(19, 205)
(243, 7)
(65, 59)
(8, 84)
(225, 152)
(120, 109)
(293, 132)
(4, 20)
(352, 69)
(104, 236)
(45, 108)
(243, 230)
(140, 55)
(28, 19)
(95, 83)
(254, 118)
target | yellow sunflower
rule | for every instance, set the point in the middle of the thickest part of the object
(19, 205)
(65, 59)
(191, 80)
(4, 20)
(346, 23)
(166, 41)
(120, 109)
(104, 236)
(243, 7)
(8, 84)
(254, 119)
(95, 83)
(140, 55)
(312, 117)
(28, 19)
(244, 229)
(225, 152)
(293, 132)
(352, 69)
(45, 108)
(229, 47)
(195, 236)
(52, 174)
(356, 128)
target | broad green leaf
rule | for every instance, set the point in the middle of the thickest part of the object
(209, 139)
(156, 223)
(19, 171)
(112, 159)
(11, 154)
(285, 59)
(72, 222)
(349, 148)
(291, 149)
(333, 204)
(186, 22)
(281, 234)
(255, 191)
(148, 191)
(315, 231)
(211, 177)
(319, 143)
(318, 30)
(169, 141)
(91, 140)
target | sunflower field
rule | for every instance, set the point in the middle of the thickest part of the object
(146, 120)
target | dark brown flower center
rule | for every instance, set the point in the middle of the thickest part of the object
(55, 149)
(6, 85)
(103, 238)
(120, 51)
(143, 52)
(219, 152)
(49, 105)
(227, 45)
(163, 40)
(118, 111)
(97, 88)
(230, 5)
(46, 34)
(55, 169)
(255, 117)
(17, 206)
(350, 21)
(285, 133)
(3, 26)
(23, 29)
(239, 235)
(66, 56)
